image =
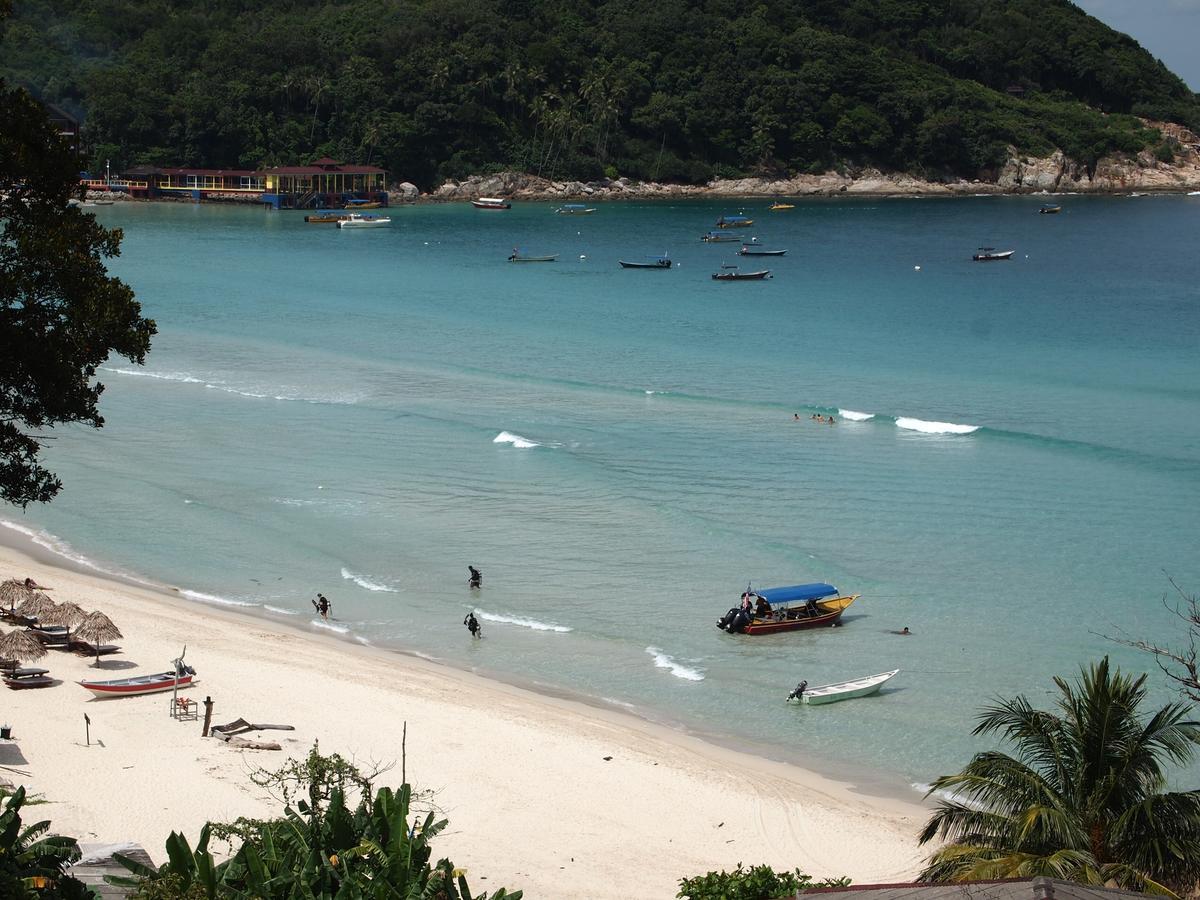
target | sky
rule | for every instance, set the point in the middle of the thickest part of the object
(1169, 29)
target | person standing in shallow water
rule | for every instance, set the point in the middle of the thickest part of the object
(476, 578)
(473, 625)
(323, 606)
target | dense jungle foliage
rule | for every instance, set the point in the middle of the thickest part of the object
(667, 90)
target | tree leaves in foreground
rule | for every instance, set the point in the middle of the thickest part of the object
(756, 883)
(377, 848)
(61, 314)
(32, 864)
(1083, 798)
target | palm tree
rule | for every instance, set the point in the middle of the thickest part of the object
(1083, 797)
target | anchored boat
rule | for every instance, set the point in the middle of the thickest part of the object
(354, 220)
(720, 237)
(575, 209)
(753, 250)
(991, 254)
(517, 257)
(491, 203)
(651, 262)
(742, 276)
(734, 222)
(842, 690)
(786, 609)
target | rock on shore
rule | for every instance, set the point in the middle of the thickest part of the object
(1019, 175)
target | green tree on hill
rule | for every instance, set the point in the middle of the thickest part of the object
(1083, 798)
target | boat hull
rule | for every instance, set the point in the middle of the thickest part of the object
(847, 690)
(796, 618)
(521, 259)
(130, 687)
(993, 257)
(750, 251)
(742, 276)
(639, 265)
(490, 203)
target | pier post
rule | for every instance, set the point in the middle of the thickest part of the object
(208, 706)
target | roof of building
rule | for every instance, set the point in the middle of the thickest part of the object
(1010, 889)
(97, 861)
(335, 169)
(157, 170)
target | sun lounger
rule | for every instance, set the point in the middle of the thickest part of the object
(36, 681)
(86, 648)
(52, 636)
(23, 673)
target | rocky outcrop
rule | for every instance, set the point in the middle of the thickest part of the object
(1019, 174)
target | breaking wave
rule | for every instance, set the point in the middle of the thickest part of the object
(280, 610)
(522, 621)
(186, 378)
(366, 583)
(665, 661)
(934, 427)
(507, 437)
(337, 629)
(852, 416)
(213, 598)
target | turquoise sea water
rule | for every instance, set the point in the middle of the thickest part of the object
(365, 412)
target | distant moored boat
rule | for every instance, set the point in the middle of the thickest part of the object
(650, 262)
(991, 254)
(845, 690)
(491, 203)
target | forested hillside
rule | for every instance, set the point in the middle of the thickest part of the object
(666, 90)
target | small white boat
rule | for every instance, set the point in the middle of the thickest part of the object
(354, 220)
(846, 690)
(491, 203)
(142, 684)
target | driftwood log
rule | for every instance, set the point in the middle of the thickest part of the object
(230, 731)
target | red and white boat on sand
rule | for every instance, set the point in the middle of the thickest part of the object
(142, 684)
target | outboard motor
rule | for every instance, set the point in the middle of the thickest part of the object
(798, 692)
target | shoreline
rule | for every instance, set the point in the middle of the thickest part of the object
(539, 750)
(873, 783)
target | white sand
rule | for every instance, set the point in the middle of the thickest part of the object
(531, 801)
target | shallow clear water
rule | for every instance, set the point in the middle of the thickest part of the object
(321, 408)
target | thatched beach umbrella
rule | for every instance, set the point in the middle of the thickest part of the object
(36, 606)
(96, 629)
(68, 614)
(13, 592)
(20, 645)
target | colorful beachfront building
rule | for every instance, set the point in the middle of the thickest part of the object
(325, 183)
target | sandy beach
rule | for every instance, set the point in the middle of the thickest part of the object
(534, 801)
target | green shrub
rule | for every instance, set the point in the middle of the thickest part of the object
(757, 883)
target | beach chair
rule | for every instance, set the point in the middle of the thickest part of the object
(87, 648)
(32, 681)
(54, 636)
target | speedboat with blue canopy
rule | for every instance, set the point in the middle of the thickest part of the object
(734, 221)
(575, 209)
(770, 610)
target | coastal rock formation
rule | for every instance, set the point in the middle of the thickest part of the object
(1020, 174)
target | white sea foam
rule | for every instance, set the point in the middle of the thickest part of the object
(951, 796)
(337, 629)
(851, 415)
(506, 437)
(183, 377)
(362, 640)
(187, 378)
(364, 582)
(934, 427)
(213, 598)
(522, 621)
(665, 661)
(280, 610)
